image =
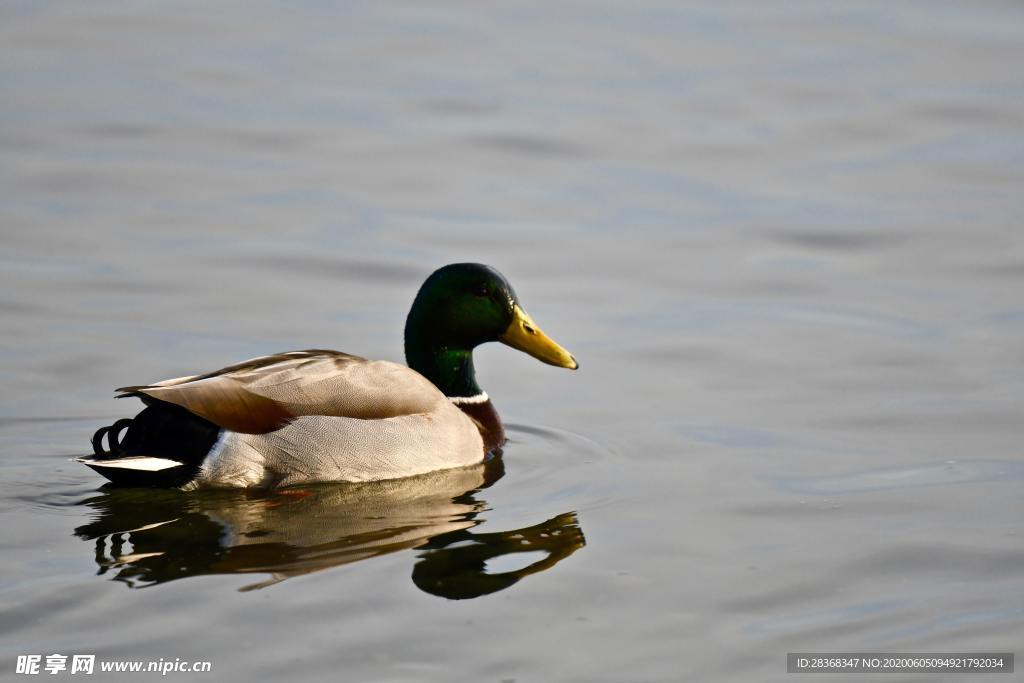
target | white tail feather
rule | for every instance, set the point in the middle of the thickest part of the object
(134, 462)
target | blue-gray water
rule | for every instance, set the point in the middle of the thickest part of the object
(783, 239)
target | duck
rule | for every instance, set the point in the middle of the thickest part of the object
(317, 415)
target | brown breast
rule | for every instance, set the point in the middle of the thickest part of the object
(487, 421)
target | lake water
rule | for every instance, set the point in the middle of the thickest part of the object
(783, 240)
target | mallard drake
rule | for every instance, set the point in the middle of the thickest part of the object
(325, 416)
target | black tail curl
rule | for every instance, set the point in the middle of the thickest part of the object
(113, 433)
(161, 430)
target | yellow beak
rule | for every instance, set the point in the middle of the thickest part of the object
(523, 334)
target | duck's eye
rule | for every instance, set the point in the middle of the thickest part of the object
(482, 291)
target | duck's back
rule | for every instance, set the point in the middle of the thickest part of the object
(260, 395)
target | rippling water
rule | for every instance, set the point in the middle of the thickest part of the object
(782, 239)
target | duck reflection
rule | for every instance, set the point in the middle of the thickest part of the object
(148, 536)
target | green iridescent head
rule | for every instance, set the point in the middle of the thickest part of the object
(459, 307)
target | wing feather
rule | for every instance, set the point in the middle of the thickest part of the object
(263, 394)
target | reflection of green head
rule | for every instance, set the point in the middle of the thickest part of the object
(459, 307)
(454, 565)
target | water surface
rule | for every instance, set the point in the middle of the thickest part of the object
(782, 239)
